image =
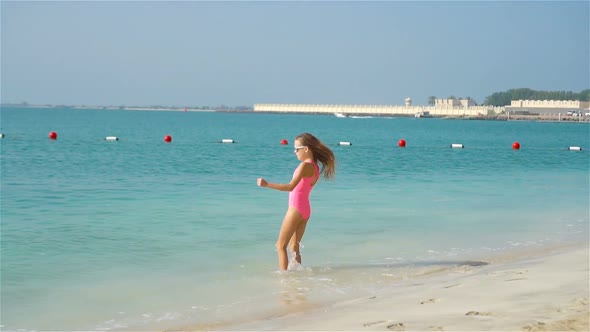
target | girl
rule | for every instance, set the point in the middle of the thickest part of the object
(310, 151)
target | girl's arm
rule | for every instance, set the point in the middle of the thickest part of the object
(303, 170)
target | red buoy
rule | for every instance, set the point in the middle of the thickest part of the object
(167, 138)
(52, 135)
(516, 145)
(401, 143)
(284, 142)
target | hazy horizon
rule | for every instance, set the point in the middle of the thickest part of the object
(195, 53)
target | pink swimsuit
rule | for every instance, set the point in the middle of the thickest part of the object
(299, 196)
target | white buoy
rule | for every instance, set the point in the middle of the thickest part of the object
(1, 135)
(457, 146)
(111, 138)
(575, 148)
(227, 140)
(344, 143)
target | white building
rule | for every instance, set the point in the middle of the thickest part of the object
(547, 107)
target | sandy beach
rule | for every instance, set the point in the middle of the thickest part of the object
(534, 290)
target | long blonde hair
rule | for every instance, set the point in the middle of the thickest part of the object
(321, 154)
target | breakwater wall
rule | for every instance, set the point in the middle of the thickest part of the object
(382, 110)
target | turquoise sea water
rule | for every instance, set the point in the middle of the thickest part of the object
(139, 234)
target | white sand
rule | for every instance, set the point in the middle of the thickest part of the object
(544, 291)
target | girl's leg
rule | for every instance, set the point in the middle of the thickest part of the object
(296, 240)
(290, 224)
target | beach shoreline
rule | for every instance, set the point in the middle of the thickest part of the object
(537, 289)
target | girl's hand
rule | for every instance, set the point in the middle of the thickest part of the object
(261, 182)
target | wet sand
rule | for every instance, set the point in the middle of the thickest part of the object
(541, 290)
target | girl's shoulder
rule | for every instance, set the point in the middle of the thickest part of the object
(308, 162)
(307, 166)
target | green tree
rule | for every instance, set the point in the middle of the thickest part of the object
(498, 99)
(504, 98)
(431, 100)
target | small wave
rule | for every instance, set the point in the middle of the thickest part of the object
(168, 316)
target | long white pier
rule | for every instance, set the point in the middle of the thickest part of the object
(382, 110)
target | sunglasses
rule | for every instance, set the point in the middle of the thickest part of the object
(297, 148)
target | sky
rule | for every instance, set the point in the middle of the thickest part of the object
(197, 53)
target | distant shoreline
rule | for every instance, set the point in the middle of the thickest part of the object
(502, 117)
(112, 108)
